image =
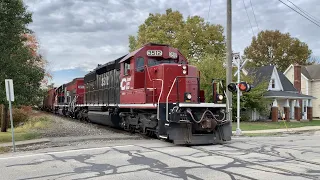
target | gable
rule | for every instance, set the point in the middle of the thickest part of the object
(275, 82)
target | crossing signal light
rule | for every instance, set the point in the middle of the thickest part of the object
(232, 87)
(243, 86)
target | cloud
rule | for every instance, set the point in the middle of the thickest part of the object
(79, 34)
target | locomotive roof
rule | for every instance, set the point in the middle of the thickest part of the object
(115, 64)
(136, 51)
(91, 76)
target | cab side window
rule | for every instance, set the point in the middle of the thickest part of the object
(126, 67)
(140, 64)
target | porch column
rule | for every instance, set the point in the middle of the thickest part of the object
(286, 109)
(293, 102)
(297, 111)
(274, 114)
(309, 110)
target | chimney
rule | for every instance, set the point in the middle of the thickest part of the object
(297, 77)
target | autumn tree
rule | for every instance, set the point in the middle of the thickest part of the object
(276, 48)
(18, 60)
(193, 36)
(37, 59)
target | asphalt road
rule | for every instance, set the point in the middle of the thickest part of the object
(293, 157)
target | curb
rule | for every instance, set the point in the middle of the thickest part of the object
(65, 140)
(289, 130)
(26, 143)
(79, 139)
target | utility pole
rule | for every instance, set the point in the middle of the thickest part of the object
(229, 58)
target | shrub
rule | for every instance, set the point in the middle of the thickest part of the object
(20, 116)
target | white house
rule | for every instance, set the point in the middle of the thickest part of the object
(287, 101)
(309, 79)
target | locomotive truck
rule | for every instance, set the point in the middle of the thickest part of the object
(152, 90)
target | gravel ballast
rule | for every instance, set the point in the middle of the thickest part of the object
(64, 131)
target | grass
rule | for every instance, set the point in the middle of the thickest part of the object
(250, 126)
(27, 131)
(4, 149)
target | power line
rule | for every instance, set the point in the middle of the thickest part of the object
(248, 16)
(306, 13)
(209, 10)
(300, 13)
(254, 15)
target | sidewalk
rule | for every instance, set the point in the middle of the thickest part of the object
(306, 128)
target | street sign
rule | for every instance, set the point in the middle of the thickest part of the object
(9, 89)
(10, 98)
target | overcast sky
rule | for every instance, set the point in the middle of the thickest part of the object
(76, 35)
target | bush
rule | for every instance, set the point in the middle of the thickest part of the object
(20, 116)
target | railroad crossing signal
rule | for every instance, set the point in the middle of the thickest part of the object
(242, 86)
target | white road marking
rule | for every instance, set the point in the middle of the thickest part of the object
(61, 152)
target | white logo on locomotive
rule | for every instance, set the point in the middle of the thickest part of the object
(105, 81)
(125, 83)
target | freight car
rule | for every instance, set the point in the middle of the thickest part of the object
(48, 100)
(154, 91)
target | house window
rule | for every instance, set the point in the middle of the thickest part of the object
(273, 85)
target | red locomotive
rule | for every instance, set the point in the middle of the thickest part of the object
(152, 90)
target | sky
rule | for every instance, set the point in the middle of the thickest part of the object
(76, 35)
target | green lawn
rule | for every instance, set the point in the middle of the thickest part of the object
(27, 131)
(249, 126)
(6, 136)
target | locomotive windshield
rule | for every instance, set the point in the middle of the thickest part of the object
(154, 62)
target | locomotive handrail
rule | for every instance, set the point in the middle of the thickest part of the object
(167, 100)
(158, 109)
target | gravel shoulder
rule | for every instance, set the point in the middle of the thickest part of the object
(63, 131)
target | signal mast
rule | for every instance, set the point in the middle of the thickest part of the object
(238, 87)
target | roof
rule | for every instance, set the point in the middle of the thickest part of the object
(286, 84)
(311, 71)
(264, 73)
(287, 95)
(136, 51)
(130, 55)
(260, 74)
(305, 72)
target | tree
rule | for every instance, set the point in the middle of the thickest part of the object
(276, 48)
(18, 59)
(192, 37)
(37, 59)
(211, 67)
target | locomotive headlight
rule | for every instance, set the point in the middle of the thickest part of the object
(184, 72)
(189, 96)
(220, 97)
(184, 67)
